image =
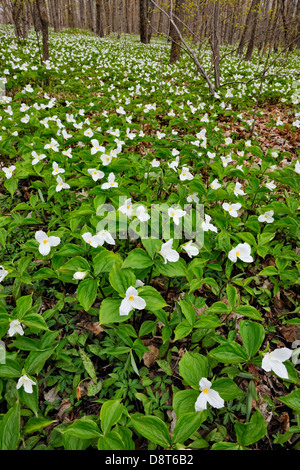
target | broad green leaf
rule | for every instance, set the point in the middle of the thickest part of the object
(153, 429)
(87, 293)
(229, 353)
(192, 367)
(110, 414)
(248, 311)
(186, 425)
(10, 429)
(121, 279)
(83, 429)
(251, 432)
(252, 334)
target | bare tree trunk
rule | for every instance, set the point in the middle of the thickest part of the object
(252, 34)
(175, 48)
(99, 20)
(145, 17)
(43, 15)
(20, 16)
(216, 42)
(248, 25)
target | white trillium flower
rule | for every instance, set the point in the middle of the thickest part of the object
(96, 174)
(92, 240)
(131, 301)
(26, 382)
(241, 251)
(3, 273)
(56, 169)
(176, 214)
(168, 253)
(238, 191)
(191, 249)
(15, 327)
(266, 217)
(208, 395)
(232, 208)
(46, 242)
(185, 174)
(215, 184)
(193, 198)
(53, 145)
(206, 225)
(297, 167)
(274, 361)
(142, 214)
(111, 182)
(96, 147)
(106, 159)
(126, 208)
(105, 236)
(61, 184)
(155, 163)
(37, 158)
(271, 185)
(174, 164)
(79, 275)
(8, 171)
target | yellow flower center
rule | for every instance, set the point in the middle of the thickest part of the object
(45, 241)
(111, 184)
(95, 172)
(237, 253)
(205, 390)
(130, 297)
(230, 209)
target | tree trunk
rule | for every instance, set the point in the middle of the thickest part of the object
(248, 25)
(252, 34)
(144, 18)
(175, 37)
(99, 20)
(216, 42)
(43, 15)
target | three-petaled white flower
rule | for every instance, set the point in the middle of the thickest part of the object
(206, 225)
(26, 382)
(45, 242)
(176, 214)
(131, 301)
(191, 249)
(126, 208)
(96, 147)
(61, 184)
(185, 174)
(3, 273)
(15, 327)
(274, 361)
(266, 217)
(142, 214)
(232, 208)
(95, 174)
(56, 169)
(168, 253)
(237, 190)
(8, 171)
(215, 184)
(111, 182)
(241, 251)
(37, 158)
(208, 395)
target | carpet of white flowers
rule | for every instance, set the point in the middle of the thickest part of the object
(110, 341)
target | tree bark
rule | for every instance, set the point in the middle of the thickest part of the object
(43, 16)
(175, 37)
